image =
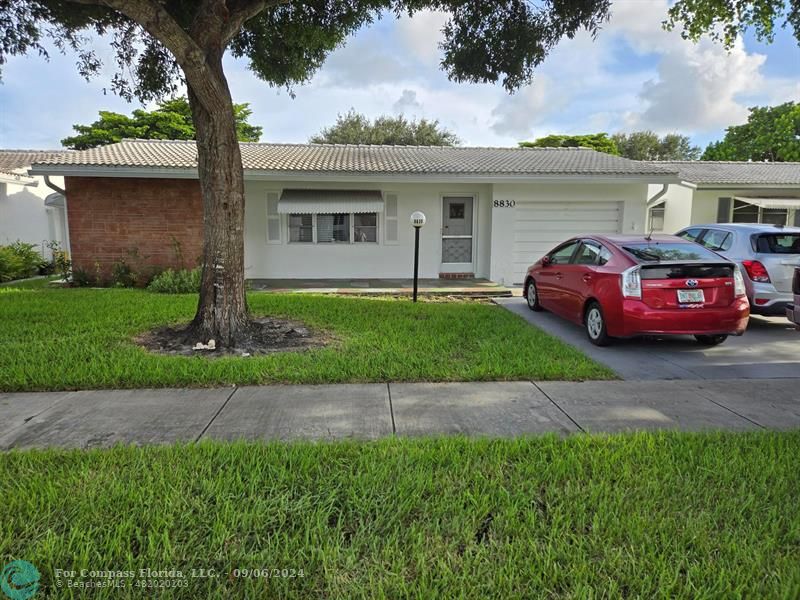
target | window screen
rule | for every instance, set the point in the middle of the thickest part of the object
(333, 228)
(365, 227)
(301, 228)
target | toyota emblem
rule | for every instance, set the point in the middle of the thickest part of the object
(692, 283)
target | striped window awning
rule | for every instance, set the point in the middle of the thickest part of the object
(330, 201)
(771, 202)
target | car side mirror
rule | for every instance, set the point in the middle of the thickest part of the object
(546, 261)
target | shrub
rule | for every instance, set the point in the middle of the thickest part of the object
(123, 275)
(81, 278)
(19, 260)
(182, 281)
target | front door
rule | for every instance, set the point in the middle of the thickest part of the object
(457, 247)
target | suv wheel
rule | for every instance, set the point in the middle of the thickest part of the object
(595, 324)
(711, 340)
(532, 296)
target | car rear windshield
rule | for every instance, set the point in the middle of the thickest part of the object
(778, 243)
(670, 251)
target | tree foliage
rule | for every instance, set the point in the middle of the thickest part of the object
(355, 128)
(647, 145)
(771, 133)
(172, 120)
(726, 20)
(596, 141)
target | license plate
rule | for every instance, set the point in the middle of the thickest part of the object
(691, 296)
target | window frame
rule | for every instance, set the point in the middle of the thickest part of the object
(351, 229)
(555, 250)
(760, 209)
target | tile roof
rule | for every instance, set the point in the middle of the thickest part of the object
(736, 173)
(363, 159)
(17, 159)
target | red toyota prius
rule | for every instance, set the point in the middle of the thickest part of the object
(626, 286)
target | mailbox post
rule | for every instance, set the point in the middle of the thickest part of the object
(417, 221)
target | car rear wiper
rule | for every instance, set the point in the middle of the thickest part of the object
(643, 254)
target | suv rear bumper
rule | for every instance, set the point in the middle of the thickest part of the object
(766, 300)
(793, 313)
(640, 319)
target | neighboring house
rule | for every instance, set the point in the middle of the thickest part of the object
(333, 211)
(30, 211)
(727, 192)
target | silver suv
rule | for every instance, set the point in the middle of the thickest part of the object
(767, 255)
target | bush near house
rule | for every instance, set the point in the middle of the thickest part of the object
(182, 281)
(20, 260)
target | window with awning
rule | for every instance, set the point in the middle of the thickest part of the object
(331, 216)
(306, 202)
(771, 210)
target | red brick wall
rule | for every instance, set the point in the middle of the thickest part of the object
(110, 217)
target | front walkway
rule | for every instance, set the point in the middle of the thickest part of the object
(403, 287)
(369, 411)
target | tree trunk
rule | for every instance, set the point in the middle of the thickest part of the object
(222, 309)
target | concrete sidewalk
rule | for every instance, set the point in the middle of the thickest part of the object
(369, 411)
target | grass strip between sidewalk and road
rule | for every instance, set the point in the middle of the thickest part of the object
(667, 515)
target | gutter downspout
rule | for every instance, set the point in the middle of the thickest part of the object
(54, 187)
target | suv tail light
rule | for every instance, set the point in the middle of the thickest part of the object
(756, 271)
(631, 280)
(738, 282)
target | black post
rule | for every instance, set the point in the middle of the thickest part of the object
(416, 260)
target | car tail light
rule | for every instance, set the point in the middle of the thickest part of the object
(756, 271)
(738, 282)
(631, 283)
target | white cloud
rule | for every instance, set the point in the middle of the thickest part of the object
(517, 114)
(407, 102)
(422, 33)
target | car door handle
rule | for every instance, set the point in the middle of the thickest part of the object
(559, 275)
(587, 278)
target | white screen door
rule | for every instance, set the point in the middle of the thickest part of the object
(457, 244)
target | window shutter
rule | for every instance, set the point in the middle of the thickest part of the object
(797, 217)
(273, 219)
(390, 216)
(723, 210)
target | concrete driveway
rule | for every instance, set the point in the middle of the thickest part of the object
(769, 349)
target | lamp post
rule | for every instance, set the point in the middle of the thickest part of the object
(417, 221)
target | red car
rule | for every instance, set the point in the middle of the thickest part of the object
(625, 286)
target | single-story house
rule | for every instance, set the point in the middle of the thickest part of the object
(342, 211)
(30, 210)
(336, 211)
(728, 192)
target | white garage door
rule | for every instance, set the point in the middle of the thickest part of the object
(540, 226)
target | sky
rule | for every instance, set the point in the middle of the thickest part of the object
(632, 76)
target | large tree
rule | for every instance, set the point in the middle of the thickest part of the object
(355, 128)
(171, 120)
(160, 43)
(596, 141)
(771, 133)
(647, 145)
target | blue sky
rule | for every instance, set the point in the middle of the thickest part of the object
(633, 76)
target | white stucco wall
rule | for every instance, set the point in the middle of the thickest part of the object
(631, 196)
(382, 260)
(23, 215)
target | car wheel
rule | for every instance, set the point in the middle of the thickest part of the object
(711, 340)
(596, 325)
(532, 296)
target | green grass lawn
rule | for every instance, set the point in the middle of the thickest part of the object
(637, 516)
(53, 339)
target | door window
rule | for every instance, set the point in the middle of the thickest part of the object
(588, 254)
(562, 255)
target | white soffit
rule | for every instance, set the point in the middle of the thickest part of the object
(330, 201)
(771, 202)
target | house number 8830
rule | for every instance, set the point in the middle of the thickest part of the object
(505, 203)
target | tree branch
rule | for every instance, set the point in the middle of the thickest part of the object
(242, 11)
(162, 26)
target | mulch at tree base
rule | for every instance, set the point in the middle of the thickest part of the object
(260, 336)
